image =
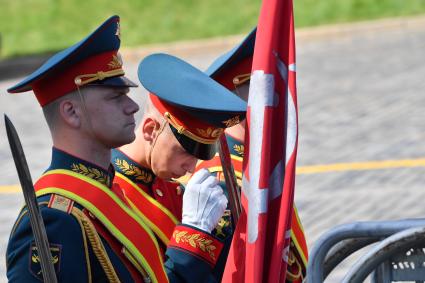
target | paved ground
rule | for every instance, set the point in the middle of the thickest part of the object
(361, 99)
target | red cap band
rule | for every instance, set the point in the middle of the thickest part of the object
(193, 128)
(60, 83)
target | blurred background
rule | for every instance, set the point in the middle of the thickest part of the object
(40, 26)
(360, 78)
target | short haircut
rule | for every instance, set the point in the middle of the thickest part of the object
(51, 110)
(150, 109)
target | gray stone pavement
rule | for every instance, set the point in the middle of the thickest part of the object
(361, 98)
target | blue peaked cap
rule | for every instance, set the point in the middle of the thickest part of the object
(186, 87)
(106, 38)
(229, 60)
(197, 108)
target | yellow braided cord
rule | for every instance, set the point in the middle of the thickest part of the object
(291, 260)
(240, 79)
(88, 78)
(96, 244)
(181, 130)
(156, 138)
(86, 250)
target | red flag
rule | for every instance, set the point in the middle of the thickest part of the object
(261, 241)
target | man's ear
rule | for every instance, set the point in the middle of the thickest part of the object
(70, 113)
(150, 128)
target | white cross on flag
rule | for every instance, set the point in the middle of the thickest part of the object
(261, 241)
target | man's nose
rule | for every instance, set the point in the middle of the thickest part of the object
(132, 107)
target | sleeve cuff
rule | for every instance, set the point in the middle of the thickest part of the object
(197, 243)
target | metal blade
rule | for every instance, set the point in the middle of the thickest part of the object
(37, 224)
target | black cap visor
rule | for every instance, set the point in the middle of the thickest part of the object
(199, 150)
(120, 81)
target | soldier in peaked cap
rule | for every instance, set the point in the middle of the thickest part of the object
(92, 232)
(186, 112)
(83, 93)
(233, 70)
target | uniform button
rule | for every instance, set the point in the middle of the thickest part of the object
(179, 190)
(159, 192)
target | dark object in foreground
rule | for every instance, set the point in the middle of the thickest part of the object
(36, 220)
(230, 178)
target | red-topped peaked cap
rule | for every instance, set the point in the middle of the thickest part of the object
(196, 107)
(234, 67)
(94, 60)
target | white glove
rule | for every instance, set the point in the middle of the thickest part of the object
(203, 201)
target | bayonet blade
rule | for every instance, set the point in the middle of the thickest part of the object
(37, 224)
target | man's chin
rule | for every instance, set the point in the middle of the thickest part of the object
(128, 138)
(167, 175)
(125, 140)
(176, 176)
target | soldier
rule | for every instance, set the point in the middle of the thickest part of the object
(232, 70)
(185, 113)
(92, 232)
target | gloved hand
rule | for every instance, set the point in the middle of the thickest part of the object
(204, 202)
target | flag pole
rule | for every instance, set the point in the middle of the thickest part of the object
(230, 179)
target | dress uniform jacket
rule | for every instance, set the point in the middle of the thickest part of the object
(85, 247)
(159, 204)
(72, 248)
